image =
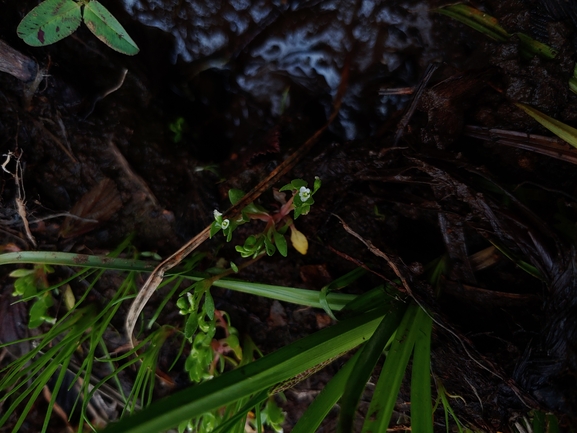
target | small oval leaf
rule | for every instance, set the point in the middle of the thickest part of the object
(107, 28)
(299, 241)
(49, 22)
(281, 244)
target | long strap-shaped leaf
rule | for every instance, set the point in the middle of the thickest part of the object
(262, 374)
(325, 401)
(560, 129)
(370, 354)
(310, 298)
(421, 401)
(387, 389)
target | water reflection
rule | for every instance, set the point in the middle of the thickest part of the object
(276, 44)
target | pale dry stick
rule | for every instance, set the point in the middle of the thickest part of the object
(395, 267)
(21, 200)
(64, 214)
(157, 275)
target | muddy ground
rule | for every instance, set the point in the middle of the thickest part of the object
(454, 181)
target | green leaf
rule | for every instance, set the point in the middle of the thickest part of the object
(268, 245)
(241, 413)
(370, 354)
(235, 195)
(254, 209)
(191, 325)
(38, 312)
(209, 305)
(421, 401)
(49, 22)
(287, 187)
(297, 183)
(573, 84)
(387, 389)
(338, 284)
(301, 210)
(25, 286)
(21, 273)
(560, 129)
(107, 28)
(281, 244)
(533, 47)
(328, 397)
(317, 184)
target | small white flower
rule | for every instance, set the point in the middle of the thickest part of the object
(225, 223)
(304, 193)
(217, 214)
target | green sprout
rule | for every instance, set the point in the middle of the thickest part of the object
(272, 238)
(178, 128)
(53, 20)
(33, 284)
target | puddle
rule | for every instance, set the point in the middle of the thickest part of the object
(267, 47)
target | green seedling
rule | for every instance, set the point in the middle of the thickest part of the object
(178, 128)
(270, 415)
(33, 284)
(53, 20)
(272, 238)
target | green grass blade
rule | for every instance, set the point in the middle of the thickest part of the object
(49, 22)
(538, 423)
(107, 28)
(389, 384)
(76, 260)
(309, 298)
(264, 373)
(553, 423)
(338, 284)
(533, 47)
(560, 129)
(421, 401)
(477, 20)
(370, 354)
(55, 389)
(328, 397)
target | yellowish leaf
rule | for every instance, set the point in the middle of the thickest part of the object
(299, 241)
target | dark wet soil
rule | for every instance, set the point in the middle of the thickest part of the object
(225, 69)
